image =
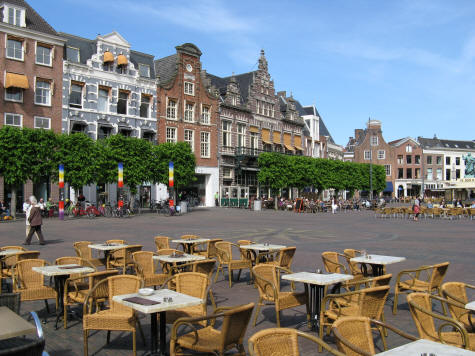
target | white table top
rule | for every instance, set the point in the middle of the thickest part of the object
(190, 241)
(9, 252)
(179, 301)
(378, 259)
(318, 278)
(262, 247)
(13, 325)
(106, 247)
(470, 305)
(426, 346)
(56, 270)
(183, 258)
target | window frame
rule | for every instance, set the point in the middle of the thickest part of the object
(381, 154)
(168, 138)
(142, 65)
(374, 141)
(148, 103)
(13, 100)
(367, 155)
(241, 135)
(14, 115)
(189, 85)
(408, 148)
(207, 114)
(108, 91)
(226, 133)
(386, 166)
(119, 99)
(189, 114)
(50, 89)
(77, 84)
(408, 159)
(78, 54)
(43, 118)
(190, 142)
(174, 108)
(51, 49)
(22, 42)
(205, 146)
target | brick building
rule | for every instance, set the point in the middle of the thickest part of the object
(31, 67)
(188, 111)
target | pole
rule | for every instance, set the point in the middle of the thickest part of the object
(423, 175)
(171, 183)
(61, 192)
(120, 184)
(370, 166)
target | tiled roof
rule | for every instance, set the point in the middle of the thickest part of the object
(324, 131)
(86, 47)
(166, 68)
(311, 110)
(442, 144)
(244, 82)
(143, 58)
(33, 20)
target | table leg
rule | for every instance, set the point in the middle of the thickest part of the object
(59, 282)
(378, 270)
(153, 333)
(314, 300)
(163, 333)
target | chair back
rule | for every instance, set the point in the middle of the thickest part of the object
(188, 237)
(167, 251)
(212, 247)
(129, 251)
(357, 331)
(162, 242)
(438, 274)
(349, 254)
(95, 278)
(286, 256)
(70, 260)
(266, 280)
(26, 277)
(192, 283)
(244, 242)
(332, 263)
(82, 249)
(456, 292)
(419, 305)
(122, 242)
(11, 301)
(144, 263)
(378, 281)
(123, 284)
(371, 301)
(21, 248)
(11, 260)
(224, 251)
(235, 324)
(204, 266)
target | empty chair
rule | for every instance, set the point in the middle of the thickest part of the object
(162, 242)
(116, 241)
(146, 268)
(225, 259)
(284, 257)
(10, 261)
(332, 261)
(456, 292)
(122, 257)
(356, 270)
(210, 251)
(82, 250)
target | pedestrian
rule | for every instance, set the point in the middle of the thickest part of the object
(216, 199)
(35, 220)
(26, 210)
(334, 206)
(416, 209)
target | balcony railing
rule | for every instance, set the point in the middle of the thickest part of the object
(254, 152)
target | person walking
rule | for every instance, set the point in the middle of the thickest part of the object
(35, 220)
(417, 209)
(216, 199)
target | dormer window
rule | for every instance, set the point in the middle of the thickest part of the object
(13, 15)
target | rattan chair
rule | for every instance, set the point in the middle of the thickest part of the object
(225, 259)
(76, 290)
(367, 302)
(82, 250)
(10, 261)
(332, 262)
(415, 283)
(121, 242)
(211, 340)
(456, 292)
(162, 242)
(146, 268)
(118, 317)
(358, 270)
(354, 335)
(210, 251)
(11, 301)
(283, 341)
(267, 280)
(420, 305)
(284, 258)
(122, 257)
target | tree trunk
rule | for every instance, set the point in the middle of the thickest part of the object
(13, 202)
(276, 207)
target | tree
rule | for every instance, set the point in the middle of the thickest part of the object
(274, 171)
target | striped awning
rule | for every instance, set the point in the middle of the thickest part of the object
(276, 137)
(254, 129)
(108, 57)
(298, 142)
(266, 136)
(122, 60)
(16, 81)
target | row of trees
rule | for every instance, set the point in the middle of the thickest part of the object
(279, 171)
(28, 154)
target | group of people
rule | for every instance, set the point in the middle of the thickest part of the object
(4, 209)
(33, 211)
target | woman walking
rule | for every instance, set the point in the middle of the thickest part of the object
(35, 220)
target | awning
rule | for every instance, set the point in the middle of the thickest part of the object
(16, 81)
(122, 60)
(290, 148)
(389, 187)
(266, 136)
(254, 129)
(276, 137)
(288, 142)
(298, 142)
(109, 57)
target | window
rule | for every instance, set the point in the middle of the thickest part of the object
(75, 97)
(43, 55)
(13, 16)
(72, 54)
(367, 155)
(104, 131)
(145, 105)
(144, 70)
(409, 159)
(447, 160)
(42, 123)
(387, 167)
(122, 102)
(189, 112)
(400, 173)
(254, 142)
(374, 140)
(171, 109)
(408, 148)
(189, 138)
(439, 173)
(241, 135)
(447, 174)
(429, 174)
(429, 159)
(43, 92)
(400, 159)
(457, 161)
(226, 133)
(272, 111)
(14, 94)
(233, 100)
(14, 49)
(189, 88)
(439, 160)
(149, 136)
(258, 106)
(457, 174)
(227, 173)
(205, 145)
(417, 159)
(108, 66)
(409, 173)
(417, 173)
(103, 100)
(205, 116)
(13, 119)
(381, 154)
(171, 134)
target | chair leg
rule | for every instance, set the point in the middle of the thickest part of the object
(47, 306)
(382, 331)
(211, 297)
(396, 294)
(134, 342)
(230, 273)
(320, 333)
(217, 272)
(258, 309)
(277, 316)
(85, 335)
(108, 337)
(239, 274)
(65, 315)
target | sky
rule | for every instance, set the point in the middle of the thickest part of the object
(408, 63)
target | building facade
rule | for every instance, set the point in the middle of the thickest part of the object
(108, 89)
(31, 54)
(188, 111)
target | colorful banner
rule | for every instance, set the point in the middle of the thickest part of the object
(61, 192)
(61, 176)
(170, 174)
(120, 182)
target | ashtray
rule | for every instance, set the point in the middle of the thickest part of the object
(145, 291)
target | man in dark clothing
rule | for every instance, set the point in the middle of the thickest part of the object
(36, 221)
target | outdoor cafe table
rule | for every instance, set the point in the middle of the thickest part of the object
(154, 305)
(61, 273)
(188, 244)
(427, 347)
(106, 248)
(178, 259)
(13, 325)
(314, 288)
(9, 252)
(377, 262)
(262, 248)
(470, 306)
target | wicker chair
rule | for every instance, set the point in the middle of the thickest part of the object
(267, 280)
(146, 267)
(10, 261)
(122, 258)
(225, 259)
(121, 242)
(420, 305)
(25, 346)
(210, 251)
(11, 300)
(82, 250)
(354, 335)
(356, 270)
(162, 242)
(118, 317)
(414, 283)
(283, 341)
(332, 264)
(167, 267)
(367, 302)
(77, 288)
(284, 258)
(189, 236)
(209, 339)
(31, 284)
(456, 292)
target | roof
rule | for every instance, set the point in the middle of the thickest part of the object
(166, 68)
(443, 144)
(33, 20)
(86, 47)
(400, 141)
(143, 58)
(243, 81)
(311, 110)
(324, 131)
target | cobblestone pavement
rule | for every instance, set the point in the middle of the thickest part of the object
(425, 242)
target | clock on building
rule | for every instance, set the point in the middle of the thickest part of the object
(189, 68)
